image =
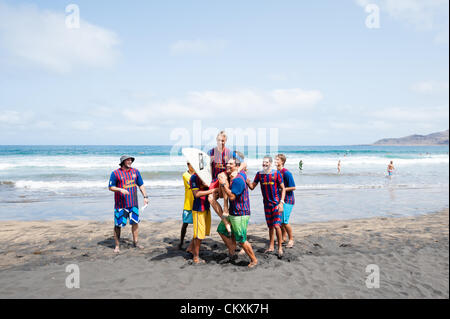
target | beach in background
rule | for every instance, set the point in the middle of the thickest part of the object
(70, 182)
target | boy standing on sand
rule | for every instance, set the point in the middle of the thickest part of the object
(273, 192)
(124, 182)
(201, 215)
(289, 184)
(239, 211)
(188, 203)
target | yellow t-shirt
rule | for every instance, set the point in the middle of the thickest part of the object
(188, 196)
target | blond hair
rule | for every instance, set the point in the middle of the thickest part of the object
(282, 157)
(222, 133)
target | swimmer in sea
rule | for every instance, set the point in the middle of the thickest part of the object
(390, 169)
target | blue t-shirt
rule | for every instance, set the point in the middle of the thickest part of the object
(241, 205)
(288, 181)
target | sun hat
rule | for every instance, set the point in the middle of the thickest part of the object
(125, 157)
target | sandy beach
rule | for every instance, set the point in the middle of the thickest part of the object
(329, 260)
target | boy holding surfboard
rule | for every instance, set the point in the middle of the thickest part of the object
(201, 215)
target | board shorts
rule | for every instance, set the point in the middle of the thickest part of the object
(202, 223)
(287, 209)
(121, 216)
(273, 216)
(238, 227)
(389, 173)
(187, 217)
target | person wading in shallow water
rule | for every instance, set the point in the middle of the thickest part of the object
(124, 182)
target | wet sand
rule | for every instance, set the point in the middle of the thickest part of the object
(329, 260)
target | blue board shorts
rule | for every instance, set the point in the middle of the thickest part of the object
(121, 216)
(287, 209)
(187, 217)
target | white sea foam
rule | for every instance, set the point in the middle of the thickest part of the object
(55, 185)
(167, 163)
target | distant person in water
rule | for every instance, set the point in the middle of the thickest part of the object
(390, 169)
(188, 203)
(339, 167)
(300, 165)
(124, 182)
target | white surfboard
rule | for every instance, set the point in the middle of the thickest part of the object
(200, 161)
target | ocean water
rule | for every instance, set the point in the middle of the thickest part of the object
(70, 182)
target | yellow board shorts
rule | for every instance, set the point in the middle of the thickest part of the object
(201, 223)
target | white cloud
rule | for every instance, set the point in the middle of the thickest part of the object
(200, 47)
(430, 87)
(41, 38)
(9, 118)
(242, 104)
(425, 15)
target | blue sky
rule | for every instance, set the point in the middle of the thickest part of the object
(135, 72)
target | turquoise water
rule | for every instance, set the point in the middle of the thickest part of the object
(70, 182)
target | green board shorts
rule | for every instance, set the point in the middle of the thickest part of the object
(238, 227)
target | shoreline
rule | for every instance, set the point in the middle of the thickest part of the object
(328, 260)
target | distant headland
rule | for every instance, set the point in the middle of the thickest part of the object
(439, 138)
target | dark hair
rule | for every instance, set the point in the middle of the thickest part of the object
(239, 158)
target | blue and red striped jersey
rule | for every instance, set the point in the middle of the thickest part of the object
(241, 205)
(288, 181)
(270, 187)
(200, 203)
(219, 160)
(129, 180)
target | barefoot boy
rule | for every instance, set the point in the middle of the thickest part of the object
(188, 203)
(201, 215)
(273, 192)
(124, 183)
(289, 201)
(239, 211)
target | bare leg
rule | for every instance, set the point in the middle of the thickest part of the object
(135, 232)
(279, 238)
(230, 243)
(196, 251)
(249, 251)
(117, 239)
(212, 198)
(190, 249)
(271, 240)
(288, 229)
(183, 234)
(284, 232)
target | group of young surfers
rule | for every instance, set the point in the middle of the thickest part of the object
(230, 183)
